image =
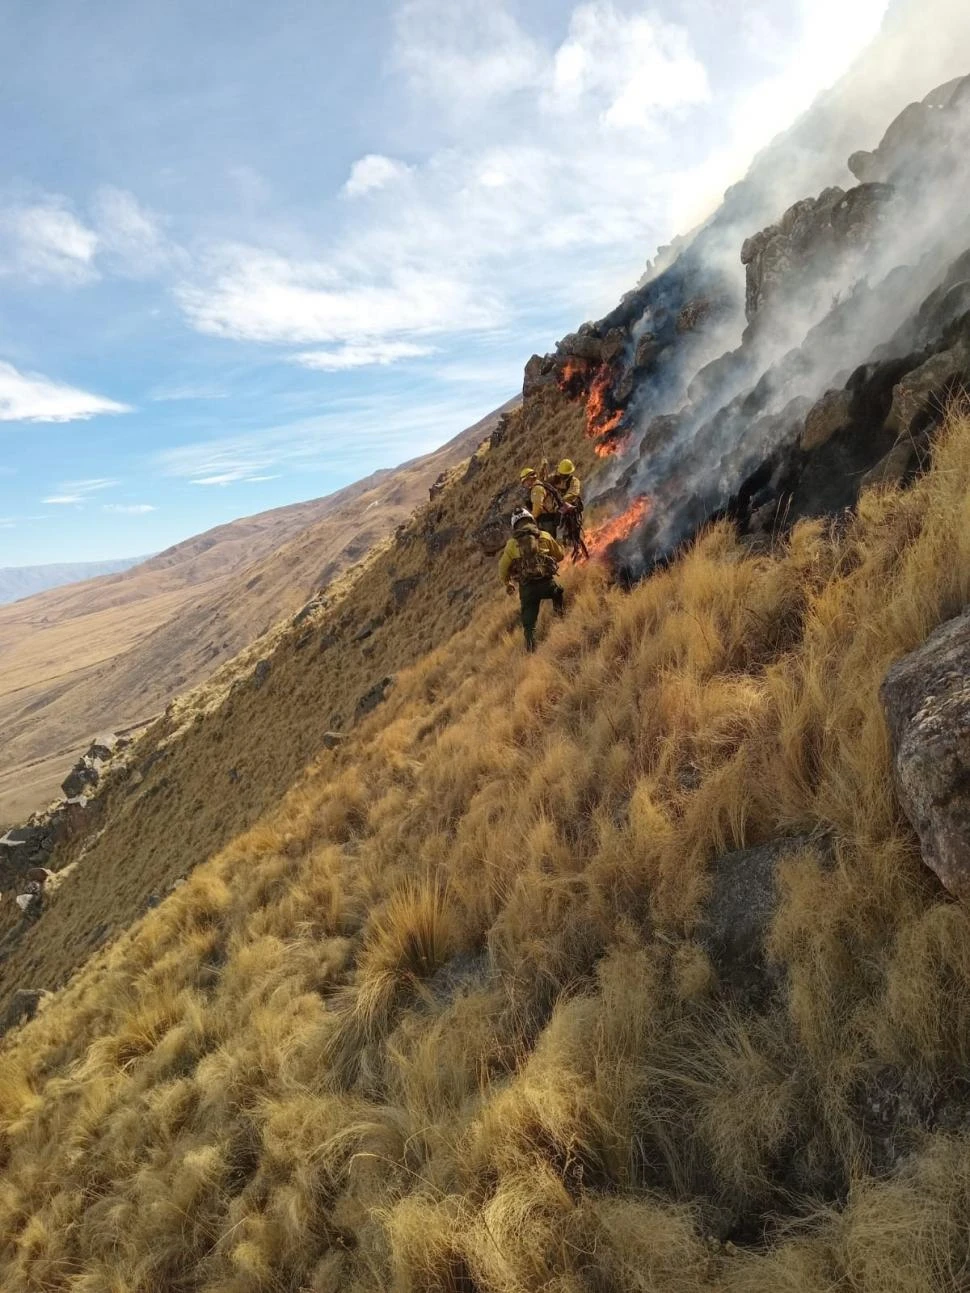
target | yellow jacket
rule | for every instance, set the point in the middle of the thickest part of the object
(541, 501)
(546, 542)
(570, 489)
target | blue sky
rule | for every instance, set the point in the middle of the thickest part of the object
(250, 252)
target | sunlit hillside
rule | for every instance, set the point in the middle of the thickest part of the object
(225, 753)
(113, 652)
(444, 1019)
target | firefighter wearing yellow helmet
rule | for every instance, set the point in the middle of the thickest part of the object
(541, 499)
(531, 560)
(567, 485)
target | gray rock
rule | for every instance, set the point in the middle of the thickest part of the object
(894, 467)
(614, 345)
(926, 697)
(582, 346)
(332, 739)
(373, 696)
(83, 776)
(540, 372)
(23, 1006)
(925, 390)
(829, 415)
(260, 673)
(738, 912)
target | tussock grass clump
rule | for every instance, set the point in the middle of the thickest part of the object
(443, 1020)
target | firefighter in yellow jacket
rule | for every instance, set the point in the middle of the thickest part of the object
(543, 502)
(531, 559)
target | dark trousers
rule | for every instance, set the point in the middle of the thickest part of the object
(548, 521)
(532, 593)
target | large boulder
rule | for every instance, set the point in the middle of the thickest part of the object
(926, 697)
(738, 912)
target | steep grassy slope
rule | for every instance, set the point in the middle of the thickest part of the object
(223, 755)
(112, 653)
(438, 1021)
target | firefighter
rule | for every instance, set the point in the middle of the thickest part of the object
(543, 501)
(565, 484)
(531, 560)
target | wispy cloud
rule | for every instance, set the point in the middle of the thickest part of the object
(129, 509)
(130, 238)
(359, 356)
(351, 436)
(256, 295)
(45, 240)
(77, 491)
(371, 172)
(31, 397)
(188, 391)
(241, 475)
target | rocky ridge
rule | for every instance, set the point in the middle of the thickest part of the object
(854, 331)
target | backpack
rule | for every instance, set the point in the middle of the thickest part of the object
(532, 561)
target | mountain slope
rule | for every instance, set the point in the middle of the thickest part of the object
(615, 967)
(110, 654)
(439, 1021)
(25, 581)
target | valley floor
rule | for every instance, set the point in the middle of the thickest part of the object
(443, 1021)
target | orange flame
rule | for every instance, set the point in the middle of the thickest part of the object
(607, 448)
(601, 419)
(620, 527)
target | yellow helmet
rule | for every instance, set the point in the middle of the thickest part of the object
(565, 468)
(526, 472)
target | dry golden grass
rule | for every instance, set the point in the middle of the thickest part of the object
(439, 1021)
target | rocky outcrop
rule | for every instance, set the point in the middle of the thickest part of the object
(811, 245)
(33, 844)
(926, 697)
(922, 130)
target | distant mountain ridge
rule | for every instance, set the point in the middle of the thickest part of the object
(25, 581)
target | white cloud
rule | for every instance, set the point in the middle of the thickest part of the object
(30, 397)
(463, 52)
(360, 356)
(373, 172)
(239, 475)
(46, 241)
(128, 235)
(77, 491)
(129, 509)
(257, 295)
(627, 68)
(90, 486)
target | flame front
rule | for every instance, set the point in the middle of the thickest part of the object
(620, 527)
(607, 448)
